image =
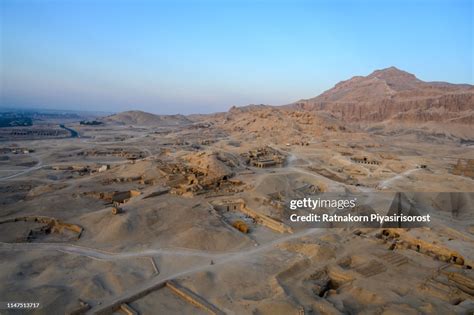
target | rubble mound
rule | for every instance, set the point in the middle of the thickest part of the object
(212, 165)
(202, 172)
(114, 196)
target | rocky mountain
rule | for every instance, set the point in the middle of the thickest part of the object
(140, 118)
(395, 95)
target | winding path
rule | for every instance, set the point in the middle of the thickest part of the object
(33, 168)
(154, 283)
(385, 184)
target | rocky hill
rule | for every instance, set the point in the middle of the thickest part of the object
(140, 118)
(396, 95)
(279, 125)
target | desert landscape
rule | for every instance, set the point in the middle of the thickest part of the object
(137, 213)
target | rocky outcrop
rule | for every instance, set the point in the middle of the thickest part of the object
(392, 94)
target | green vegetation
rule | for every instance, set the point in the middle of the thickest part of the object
(91, 122)
(15, 121)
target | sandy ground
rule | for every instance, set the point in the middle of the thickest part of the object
(181, 236)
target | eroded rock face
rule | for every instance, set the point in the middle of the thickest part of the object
(397, 95)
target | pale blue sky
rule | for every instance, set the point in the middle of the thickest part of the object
(205, 56)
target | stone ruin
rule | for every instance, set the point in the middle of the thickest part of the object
(200, 173)
(141, 179)
(298, 142)
(81, 169)
(239, 205)
(264, 157)
(229, 205)
(116, 210)
(49, 226)
(278, 199)
(401, 238)
(115, 197)
(464, 167)
(365, 160)
(241, 226)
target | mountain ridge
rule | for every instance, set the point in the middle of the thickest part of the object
(394, 94)
(141, 118)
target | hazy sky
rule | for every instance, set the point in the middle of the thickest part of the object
(204, 56)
